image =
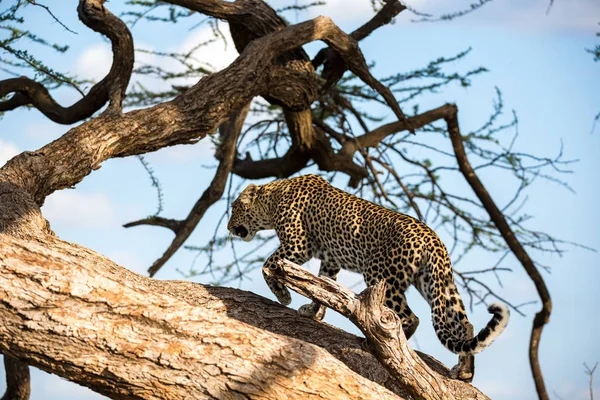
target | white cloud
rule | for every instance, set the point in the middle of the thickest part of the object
(90, 210)
(94, 63)
(204, 149)
(213, 56)
(341, 11)
(7, 151)
(218, 54)
(44, 130)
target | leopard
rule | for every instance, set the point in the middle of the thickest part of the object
(314, 219)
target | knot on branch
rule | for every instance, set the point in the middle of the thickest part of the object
(421, 377)
(375, 316)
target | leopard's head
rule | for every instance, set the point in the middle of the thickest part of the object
(247, 217)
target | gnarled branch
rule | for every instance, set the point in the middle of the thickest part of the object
(383, 329)
(112, 88)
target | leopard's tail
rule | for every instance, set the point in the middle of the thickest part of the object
(479, 342)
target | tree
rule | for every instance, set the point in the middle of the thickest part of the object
(312, 117)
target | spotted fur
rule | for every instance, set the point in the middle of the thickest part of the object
(314, 219)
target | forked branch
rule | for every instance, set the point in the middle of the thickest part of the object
(383, 329)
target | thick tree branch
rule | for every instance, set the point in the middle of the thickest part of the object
(372, 138)
(291, 162)
(497, 217)
(186, 119)
(334, 66)
(383, 329)
(124, 335)
(112, 88)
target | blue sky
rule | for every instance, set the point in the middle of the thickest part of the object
(539, 63)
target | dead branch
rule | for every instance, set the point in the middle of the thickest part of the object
(381, 326)
(497, 217)
(112, 88)
(590, 372)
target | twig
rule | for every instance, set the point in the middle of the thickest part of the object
(590, 372)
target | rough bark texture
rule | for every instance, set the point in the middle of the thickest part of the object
(70, 311)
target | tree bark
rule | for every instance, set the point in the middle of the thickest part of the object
(72, 312)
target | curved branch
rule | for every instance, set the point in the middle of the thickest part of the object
(334, 66)
(372, 138)
(112, 88)
(497, 217)
(383, 17)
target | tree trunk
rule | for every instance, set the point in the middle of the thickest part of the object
(72, 312)
(69, 311)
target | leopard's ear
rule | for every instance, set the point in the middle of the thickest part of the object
(247, 196)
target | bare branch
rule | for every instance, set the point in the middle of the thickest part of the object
(590, 372)
(381, 326)
(112, 88)
(229, 132)
(54, 17)
(383, 17)
(543, 316)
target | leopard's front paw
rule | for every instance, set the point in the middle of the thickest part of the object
(307, 310)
